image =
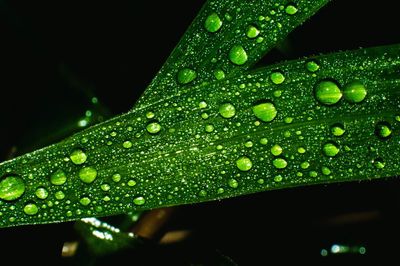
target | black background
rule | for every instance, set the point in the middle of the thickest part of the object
(116, 49)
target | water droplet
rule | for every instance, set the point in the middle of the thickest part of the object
(379, 163)
(213, 23)
(59, 195)
(288, 120)
(131, 183)
(105, 187)
(325, 170)
(41, 193)
(301, 150)
(186, 75)
(330, 149)
(227, 110)
(248, 144)
(312, 66)
(244, 163)
(337, 129)
(305, 165)
(327, 92)
(58, 178)
(277, 77)
(276, 150)
(150, 115)
(265, 111)
(87, 174)
(238, 55)
(31, 209)
(263, 141)
(139, 201)
(233, 183)
(204, 115)
(220, 190)
(78, 156)
(279, 163)
(116, 177)
(219, 74)
(291, 9)
(209, 128)
(153, 127)
(383, 130)
(202, 104)
(11, 188)
(278, 178)
(127, 144)
(252, 32)
(354, 92)
(313, 174)
(260, 181)
(85, 201)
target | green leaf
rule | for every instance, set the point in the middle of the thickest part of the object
(327, 119)
(226, 38)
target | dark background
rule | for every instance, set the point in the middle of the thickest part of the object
(52, 52)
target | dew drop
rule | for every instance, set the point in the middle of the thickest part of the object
(252, 32)
(186, 75)
(276, 150)
(116, 177)
(305, 165)
(248, 144)
(78, 156)
(277, 77)
(213, 23)
(85, 201)
(139, 201)
(291, 9)
(233, 183)
(131, 183)
(227, 110)
(209, 128)
(263, 141)
(265, 111)
(204, 115)
(244, 163)
(220, 190)
(325, 170)
(11, 188)
(105, 187)
(330, 149)
(202, 104)
(238, 55)
(379, 163)
(354, 92)
(219, 74)
(87, 174)
(149, 115)
(59, 195)
(153, 128)
(279, 163)
(383, 130)
(58, 178)
(301, 150)
(312, 66)
(127, 144)
(31, 209)
(278, 178)
(327, 92)
(337, 129)
(41, 193)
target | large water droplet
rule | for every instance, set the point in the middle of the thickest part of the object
(58, 178)
(213, 23)
(383, 130)
(337, 129)
(279, 163)
(244, 163)
(291, 9)
(277, 77)
(327, 92)
(186, 75)
(87, 174)
(252, 32)
(11, 188)
(153, 127)
(139, 201)
(354, 92)
(227, 110)
(265, 111)
(41, 193)
(78, 156)
(31, 209)
(238, 55)
(330, 149)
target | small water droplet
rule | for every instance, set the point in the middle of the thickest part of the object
(288, 120)
(87, 174)
(11, 188)
(213, 23)
(202, 193)
(238, 55)
(139, 201)
(260, 181)
(277, 77)
(325, 170)
(305, 165)
(379, 163)
(209, 128)
(263, 141)
(131, 183)
(313, 174)
(330, 149)
(233, 183)
(116, 177)
(58, 178)
(204, 115)
(279, 163)
(31, 209)
(220, 190)
(59, 195)
(291, 9)
(312, 66)
(127, 144)
(202, 104)
(227, 110)
(278, 178)
(252, 32)
(248, 144)
(244, 163)
(186, 75)
(41, 193)
(265, 111)
(78, 156)
(383, 130)
(354, 92)
(337, 129)
(219, 74)
(276, 150)
(327, 92)
(150, 115)
(301, 150)
(153, 128)
(105, 187)
(85, 201)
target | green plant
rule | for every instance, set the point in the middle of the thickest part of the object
(220, 131)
